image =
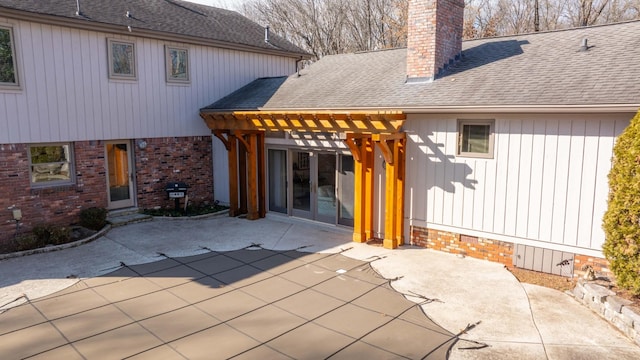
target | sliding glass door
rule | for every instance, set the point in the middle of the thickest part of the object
(277, 162)
(325, 204)
(302, 183)
(345, 190)
(311, 185)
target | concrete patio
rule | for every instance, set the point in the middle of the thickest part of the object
(478, 303)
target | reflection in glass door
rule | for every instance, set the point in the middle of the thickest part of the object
(313, 185)
(119, 174)
(278, 180)
(301, 179)
(345, 185)
(326, 190)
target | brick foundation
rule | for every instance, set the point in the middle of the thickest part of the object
(492, 250)
(479, 248)
(186, 159)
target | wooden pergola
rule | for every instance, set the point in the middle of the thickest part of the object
(243, 135)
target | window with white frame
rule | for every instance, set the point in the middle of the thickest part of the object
(122, 59)
(8, 63)
(177, 64)
(475, 138)
(51, 164)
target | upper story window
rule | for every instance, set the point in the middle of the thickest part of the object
(475, 138)
(122, 59)
(177, 64)
(8, 67)
(51, 164)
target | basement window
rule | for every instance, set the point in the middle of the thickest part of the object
(475, 138)
(51, 164)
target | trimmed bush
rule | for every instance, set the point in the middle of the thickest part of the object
(42, 233)
(621, 222)
(93, 218)
(51, 234)
(27, 242)
(60, 235)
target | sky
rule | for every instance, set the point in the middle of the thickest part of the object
(225, 4)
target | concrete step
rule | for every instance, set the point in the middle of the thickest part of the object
(127, 216)
(123, 212)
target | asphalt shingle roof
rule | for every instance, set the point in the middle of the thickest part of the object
(525, 70)
(167, 16)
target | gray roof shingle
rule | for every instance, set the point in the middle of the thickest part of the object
(165, 16)
(540, 69)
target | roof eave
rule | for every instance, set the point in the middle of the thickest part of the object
(594, 108)
(152, 34)
(545, 109)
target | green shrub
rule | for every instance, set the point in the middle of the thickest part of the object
(51, 234)
(621, 221)
(59, 235)
(93, 218)
(42, 233)
(27, 242)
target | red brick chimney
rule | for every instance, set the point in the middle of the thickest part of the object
(434, 37)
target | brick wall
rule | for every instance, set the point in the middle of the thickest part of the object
(59, 204)
(185, 159)
(434, 36)
(599, 265)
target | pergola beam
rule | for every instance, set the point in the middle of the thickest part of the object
(371, 122)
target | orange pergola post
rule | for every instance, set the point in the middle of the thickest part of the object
(361, 148)
(358, 197)
(262, 176)
(400, 180)
(242, 172)
(390, 222)
(392, 149)
(230, 143)
(247, 179)
(367, 189)
(252, 170)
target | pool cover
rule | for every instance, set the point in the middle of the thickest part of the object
(245, 304)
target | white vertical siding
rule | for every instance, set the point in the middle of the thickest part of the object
(536, 179)
(220, 172)
(545, 186)
(512, 177)
(501, 156)
(66, 94)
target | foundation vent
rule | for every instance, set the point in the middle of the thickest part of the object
(543, 260)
